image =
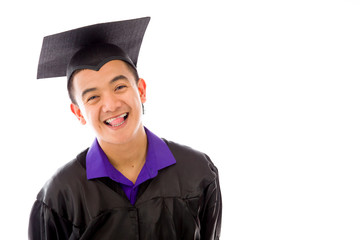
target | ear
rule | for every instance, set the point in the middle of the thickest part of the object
(142, 89)
(76, 111)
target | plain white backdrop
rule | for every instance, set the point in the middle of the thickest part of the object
(268, 89)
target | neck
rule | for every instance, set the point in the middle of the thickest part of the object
(128, 158)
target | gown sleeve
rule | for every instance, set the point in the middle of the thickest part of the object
(46, 224)
(211, 218)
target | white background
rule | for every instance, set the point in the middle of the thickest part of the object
(268, 89)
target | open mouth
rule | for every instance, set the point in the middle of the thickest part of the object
(117, 121)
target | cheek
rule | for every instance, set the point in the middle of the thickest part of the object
(138, 103)
(90, 115)
(133, 99)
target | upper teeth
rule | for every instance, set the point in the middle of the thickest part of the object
(112, 119)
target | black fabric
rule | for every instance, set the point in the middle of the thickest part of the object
(58, 49)
(182, 202)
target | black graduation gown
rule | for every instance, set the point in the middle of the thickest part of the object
(182, 202)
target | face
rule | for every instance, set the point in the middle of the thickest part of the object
(110, 101)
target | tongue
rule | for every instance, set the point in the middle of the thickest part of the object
(117, 121)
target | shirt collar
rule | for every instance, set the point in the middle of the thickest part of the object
(158, 157)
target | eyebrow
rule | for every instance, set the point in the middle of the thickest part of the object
(87, 91)
(117, 78)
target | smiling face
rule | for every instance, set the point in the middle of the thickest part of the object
(110, 100)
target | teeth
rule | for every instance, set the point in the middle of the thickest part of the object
(119, 124)
(112, 119)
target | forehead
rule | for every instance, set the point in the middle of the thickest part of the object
(104, 75)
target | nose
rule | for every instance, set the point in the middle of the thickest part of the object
(110, 103)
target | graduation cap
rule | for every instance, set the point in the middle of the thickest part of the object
(91, 47)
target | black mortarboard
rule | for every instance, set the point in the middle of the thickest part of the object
(90, 47)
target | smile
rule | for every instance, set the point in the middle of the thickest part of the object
(117, 121)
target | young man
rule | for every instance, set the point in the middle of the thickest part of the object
(129, 184)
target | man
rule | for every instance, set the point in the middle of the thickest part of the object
(129, 184)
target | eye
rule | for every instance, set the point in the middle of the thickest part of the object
(120, 87)
(91, 98)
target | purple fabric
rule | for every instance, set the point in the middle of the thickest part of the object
(158, 157)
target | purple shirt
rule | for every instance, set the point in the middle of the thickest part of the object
(158, 157)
